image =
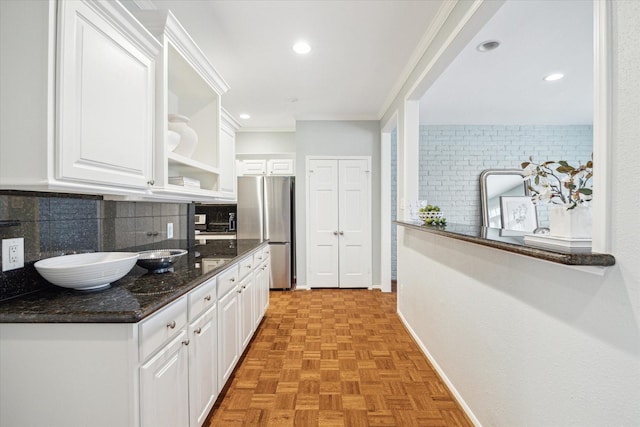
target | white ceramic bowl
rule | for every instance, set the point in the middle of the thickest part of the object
(86, 271)
(433, 215)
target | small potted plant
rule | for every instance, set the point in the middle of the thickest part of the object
(566, 187)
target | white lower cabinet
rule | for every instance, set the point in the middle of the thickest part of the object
(229, 335)
(166, 370)
(258, 278)
(246, 298)
(203, 366)
(261, 291)
(164, 386)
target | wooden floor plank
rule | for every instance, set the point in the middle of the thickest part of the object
(332, 357)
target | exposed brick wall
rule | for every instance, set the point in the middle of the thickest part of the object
(452, 158)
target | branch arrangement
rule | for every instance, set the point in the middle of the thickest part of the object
(559, 183)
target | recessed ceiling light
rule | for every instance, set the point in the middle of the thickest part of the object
(553, 77)
(245, 116)
(301, 47)
(488, 45)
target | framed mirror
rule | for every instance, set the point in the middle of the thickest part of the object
(497, 183)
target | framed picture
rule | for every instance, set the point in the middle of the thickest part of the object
(518, 213)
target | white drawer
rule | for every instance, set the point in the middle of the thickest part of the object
(258, 257)
(266, 252)
(160, 327)
(227, 280)
(245, 266)
(209, 264)
(202, 297)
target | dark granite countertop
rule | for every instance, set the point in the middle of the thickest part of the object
(130, 299)
(502, 239)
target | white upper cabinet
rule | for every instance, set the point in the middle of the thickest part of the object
(270, 167)
(280, 167)
(189, 86)
(78, 115)
(253, 167)
(227, 153)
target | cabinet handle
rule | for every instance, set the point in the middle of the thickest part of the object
(342, 233)
(186, 342)
(207, 298)
(248, 266)
(151, 182)
(233, 279)
(335, 233)
(198, 331)
(239, 291)
(259, 257)
(171, 324)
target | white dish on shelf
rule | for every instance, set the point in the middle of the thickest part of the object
(86, 272)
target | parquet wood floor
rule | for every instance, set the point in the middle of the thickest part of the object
(334, 358)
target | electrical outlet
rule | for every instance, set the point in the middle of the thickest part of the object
(12, 254)
(169, 230)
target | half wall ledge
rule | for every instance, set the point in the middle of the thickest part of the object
(506, 240)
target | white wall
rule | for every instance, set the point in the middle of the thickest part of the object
(524, 342)
(265, 142)
(336, 138)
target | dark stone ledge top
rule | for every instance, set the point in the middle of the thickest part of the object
(130, 299)
(499, 239)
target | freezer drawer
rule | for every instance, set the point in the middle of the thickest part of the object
(280, 266)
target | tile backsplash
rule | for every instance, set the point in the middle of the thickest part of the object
(55, 224)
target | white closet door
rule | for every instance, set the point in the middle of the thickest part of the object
(322, 256)
(355, 224)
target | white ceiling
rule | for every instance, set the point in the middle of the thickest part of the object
(359, 52)
(505, 86)
(363, 49)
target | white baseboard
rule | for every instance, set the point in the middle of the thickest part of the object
(440, 372)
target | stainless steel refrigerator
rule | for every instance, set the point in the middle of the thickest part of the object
(266, 210)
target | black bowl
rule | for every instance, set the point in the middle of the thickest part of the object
(160, 260)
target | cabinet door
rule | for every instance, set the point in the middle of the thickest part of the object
(164, 386)
(254, 167)
(266, 285)
(322, 258)
(339, 218)
(263, 274)
(203, 366)
(247, 319)
(355, 224)
(280, 167)
(228, 335)
(227, 163)
(258, 281)
(106, 100)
